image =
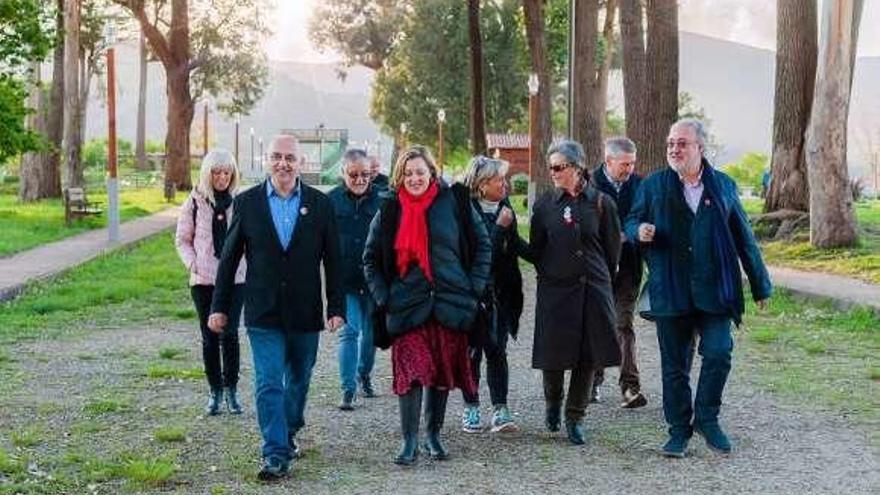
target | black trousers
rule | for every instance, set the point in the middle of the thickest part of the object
(579, 384)
(497, 372)
(227, 375)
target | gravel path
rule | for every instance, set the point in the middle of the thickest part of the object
(779, 449)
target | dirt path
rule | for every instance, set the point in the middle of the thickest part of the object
(52, 388)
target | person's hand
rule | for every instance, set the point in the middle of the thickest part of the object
(505, 217)
(335, 323)
(763, 304)
(217, 322)
(646, 232)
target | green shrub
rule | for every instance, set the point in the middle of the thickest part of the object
(749, 170)
(519, 184)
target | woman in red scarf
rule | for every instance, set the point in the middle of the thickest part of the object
(426, 262)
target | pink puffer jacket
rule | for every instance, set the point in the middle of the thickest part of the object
(195, 244)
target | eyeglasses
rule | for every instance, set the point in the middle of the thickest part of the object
(559, 168)
(278, 157)
(362, 175)
(678, 144)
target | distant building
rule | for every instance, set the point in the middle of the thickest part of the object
(513, 148)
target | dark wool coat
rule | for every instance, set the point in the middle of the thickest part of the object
(283, 286)
(353, 217)
(576, 248)
(452, 297)
(685, 270)
(630, 267)
(506, 281)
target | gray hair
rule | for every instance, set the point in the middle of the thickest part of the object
(571, 150)
(619, 145)
(353, 155)
(482, 169)
(697, 125)
(217, 158)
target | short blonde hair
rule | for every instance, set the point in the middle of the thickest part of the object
(481, 170)
(417, 151)
(217, 158)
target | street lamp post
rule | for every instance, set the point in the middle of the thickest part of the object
(207, 102)
(112, 179)
(252, 148)
(261, 153)
(237, 124)
(534, 86)
(320, 147)
(441, 119)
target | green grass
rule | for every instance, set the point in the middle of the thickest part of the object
(170, 434)
(172, 353)
(164, 371)
(139, 284)
(146, 471)
(99, 407)
(862, 261)
(817, 355)
(26, 225)
(27, 437)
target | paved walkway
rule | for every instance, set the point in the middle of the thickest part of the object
(51, 259)
(45, 261)
(845, 291)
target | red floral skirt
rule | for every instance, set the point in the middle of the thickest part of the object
(432, 356)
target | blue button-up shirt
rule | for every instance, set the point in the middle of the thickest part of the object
(285, 211)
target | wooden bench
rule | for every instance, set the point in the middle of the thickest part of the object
(76, 205)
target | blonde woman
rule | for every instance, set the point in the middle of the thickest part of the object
(201, 232)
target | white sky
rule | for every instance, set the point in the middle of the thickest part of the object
(751, 22)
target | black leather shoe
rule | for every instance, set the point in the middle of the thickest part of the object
(214, 401)
(232, 404)
(553, 418)
(295, 453)
(715, 438)
(367, 386)
(272, 469)
(347, 402)
(575, 432)
(676, 446)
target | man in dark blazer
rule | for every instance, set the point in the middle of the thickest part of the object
(615, 178)
(689, 219)
(286, 230)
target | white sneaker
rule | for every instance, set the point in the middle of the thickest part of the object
(502, 422)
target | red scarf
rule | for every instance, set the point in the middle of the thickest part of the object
(411, 243)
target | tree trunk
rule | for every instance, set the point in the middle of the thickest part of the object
(796, 48)
(34, 184)
(832, 219)
(586, 126)
(180, 114)
(140, 149)
(634, 90)
(662, 81)
(174, 53)
(73, 176)
(534, 17)
(55, 117)
(478, 106)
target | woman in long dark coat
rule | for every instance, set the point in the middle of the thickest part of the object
(575, 235)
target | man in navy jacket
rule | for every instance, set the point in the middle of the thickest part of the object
(615, 178)
(286, 230)
(695, 234)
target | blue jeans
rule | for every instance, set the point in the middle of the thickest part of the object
(356, 351)
(283, 363)
(677, 336)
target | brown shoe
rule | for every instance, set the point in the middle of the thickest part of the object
(633, 399)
